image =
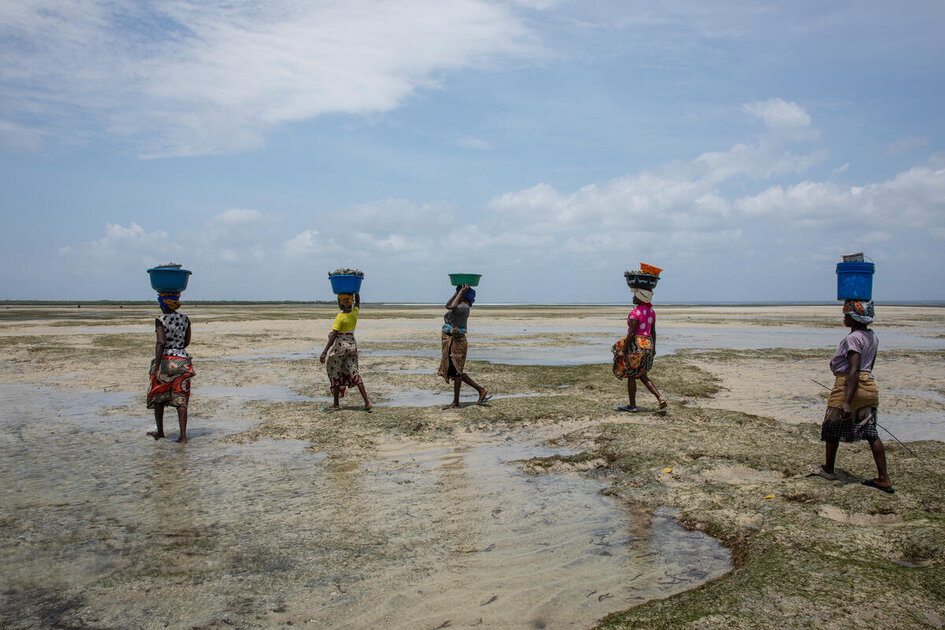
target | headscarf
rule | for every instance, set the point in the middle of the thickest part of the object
(345, 299)
(859, 310)
(469, 295)
(644, 295)
(169, 300)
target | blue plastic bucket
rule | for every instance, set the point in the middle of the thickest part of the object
(168, 278)
(346, 283)
(855, 280)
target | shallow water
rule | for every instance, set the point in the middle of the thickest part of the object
(105, 527)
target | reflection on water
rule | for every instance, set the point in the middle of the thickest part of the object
(104, 527)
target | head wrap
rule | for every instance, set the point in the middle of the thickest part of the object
(346, 299)
(644, 295)
(169, 300)
(859, 310)
(470, 295)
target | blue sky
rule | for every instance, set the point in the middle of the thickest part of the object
(549, 145)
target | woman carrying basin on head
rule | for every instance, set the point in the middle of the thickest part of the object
(454, 345)
(633, 355)
(851, 406)
(341, 352)
(172, 367)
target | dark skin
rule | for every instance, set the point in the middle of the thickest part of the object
(853, 381)
(159, 345)
(336, 391)
(453, 302)
(644, 378)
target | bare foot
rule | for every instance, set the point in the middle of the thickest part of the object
(662, 402)
(451, 406)
(182, 439)
(156, 435)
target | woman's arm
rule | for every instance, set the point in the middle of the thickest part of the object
(331, 341)
(853, 380)
(631, 329)
(160, 342)
(357, 300)
(454, 301)
(187, 335)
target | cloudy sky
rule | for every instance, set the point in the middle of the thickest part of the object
(549, 145)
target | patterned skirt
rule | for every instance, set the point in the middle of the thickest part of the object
(640, 361)
(453, 356)
(861, 425)
(171, 384)
(342, 362)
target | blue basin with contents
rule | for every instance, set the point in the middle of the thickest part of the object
(169, 278)
(855, 280)
(345, 283)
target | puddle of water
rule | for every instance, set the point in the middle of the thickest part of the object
(247, 393)
(105, 527)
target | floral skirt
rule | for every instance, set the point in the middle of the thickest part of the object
(342, 362)
(642, 350)
(171, 384)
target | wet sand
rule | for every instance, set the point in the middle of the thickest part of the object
(544, 509)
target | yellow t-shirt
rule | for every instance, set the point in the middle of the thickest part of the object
(346, 322)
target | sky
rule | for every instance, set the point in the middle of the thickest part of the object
(549, 145)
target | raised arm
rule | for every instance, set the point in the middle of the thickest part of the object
(454, 301)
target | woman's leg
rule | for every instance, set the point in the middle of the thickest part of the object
(182, 422)
(367, 403)
(830, 456)
(335, 390)
(159, 421)
(879, 456)
(483, 392)
(650, 386)
(632, 391)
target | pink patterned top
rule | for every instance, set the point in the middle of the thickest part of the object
(645, 317)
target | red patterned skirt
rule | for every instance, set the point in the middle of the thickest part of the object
(171, 384)
(642, 350)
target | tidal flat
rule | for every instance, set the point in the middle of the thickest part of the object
(544, 508)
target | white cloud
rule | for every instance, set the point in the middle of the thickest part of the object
(188, 78)
(686, 215)
(783, 118)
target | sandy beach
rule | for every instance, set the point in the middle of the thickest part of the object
(545, 508)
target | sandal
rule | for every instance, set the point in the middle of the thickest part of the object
(330, 409)
(484, 399)
(368, 409)
(628, 409)
(871, 483)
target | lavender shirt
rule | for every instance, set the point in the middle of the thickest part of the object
(863, 341)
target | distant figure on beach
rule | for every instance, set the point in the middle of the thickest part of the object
(851, 406)
(341, 352)
(454, 345)
(171, 368)
(633, 355)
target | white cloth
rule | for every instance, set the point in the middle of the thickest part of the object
(643, 295)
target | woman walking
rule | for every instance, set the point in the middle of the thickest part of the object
(633, 355)
(454, 344)
(852, 404)
(341, 352)
(172, 367)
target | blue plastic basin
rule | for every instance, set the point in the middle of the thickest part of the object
(168, 278)
(855, 280)
(346, 283)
